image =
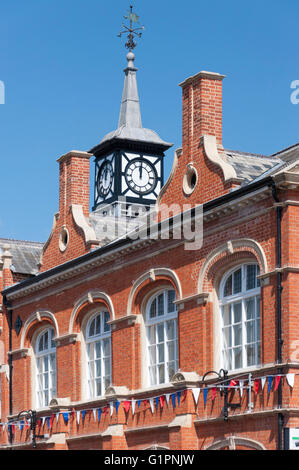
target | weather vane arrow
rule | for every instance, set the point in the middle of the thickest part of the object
(130, 30)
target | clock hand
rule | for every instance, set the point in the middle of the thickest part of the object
(140, 171)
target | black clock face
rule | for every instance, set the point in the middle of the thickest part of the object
(105, 179)
(141, 176)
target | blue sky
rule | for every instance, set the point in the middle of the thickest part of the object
(62, 65)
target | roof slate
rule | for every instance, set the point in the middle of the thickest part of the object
(249, 166)
(25, 255)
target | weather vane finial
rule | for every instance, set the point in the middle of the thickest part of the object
(132, 32)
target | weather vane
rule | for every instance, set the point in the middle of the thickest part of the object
(132, 32)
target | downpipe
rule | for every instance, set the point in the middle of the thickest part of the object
(279, 289)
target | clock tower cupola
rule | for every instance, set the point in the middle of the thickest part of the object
(129, 160)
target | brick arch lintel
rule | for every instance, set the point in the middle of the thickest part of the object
(152, 275)
(90, 297)
(37, 317)
(229, 248)
(233, 441)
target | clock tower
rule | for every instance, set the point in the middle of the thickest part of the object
(129, 160)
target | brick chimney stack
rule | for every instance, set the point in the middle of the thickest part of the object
(74, 181)
(202, 108)
(201, 171)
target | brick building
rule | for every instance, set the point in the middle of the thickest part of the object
(114, 339)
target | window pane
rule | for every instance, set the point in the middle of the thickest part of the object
(227, 358)
(46, 363)
(161, 353)
(238, 358)
(91, 388)
(258, 272)
(98, 368)
(170, 329)
(41, 344)
(92, 328)
(250, 355)
(46, 339)
(258, 330)
(238, 281)
(153, 309)
(171, 299)
(90, 353)
(238, 335)
(106, 347)
(107, 382)
(171, 370)
(106, 319)
(107, 366)
(252, 271)
(52, 337)
(91, 369)
(250, 309)
(52, 361)
(160, 331)
(258, 306)
(99, 388)
(152, 334)
(98, 325)
(153, 377)
(250, 332)
(161, 374)
(161, 304)
(227, 337)
(228, 287)
(98, 350)
(227, 320)
(171, 351)
(237, 313)
(152, 355)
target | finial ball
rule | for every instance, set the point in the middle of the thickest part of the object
(130, 56)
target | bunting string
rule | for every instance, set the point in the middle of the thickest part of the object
(177, 398)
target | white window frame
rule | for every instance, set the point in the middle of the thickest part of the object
(91, 342)
(240, 298)
(41, 358)
(150, 322)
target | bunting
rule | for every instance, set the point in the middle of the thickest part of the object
(178, 398)
(277, 382)
(196, 392)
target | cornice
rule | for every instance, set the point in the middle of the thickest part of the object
(80, 266)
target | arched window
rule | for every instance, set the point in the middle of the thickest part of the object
(162, 337)
(98, 349)
(45, 354)
(241, 318)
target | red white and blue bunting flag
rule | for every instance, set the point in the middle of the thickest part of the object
(277, 382)
(263, 381)
(196, 393)
(177, 398)
(290, 380)
(151, 400)
(270, 380)
(205, 394)
(133, 406)
(241, 387)
(167, 399)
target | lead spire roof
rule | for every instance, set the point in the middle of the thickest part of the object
(130, 131)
